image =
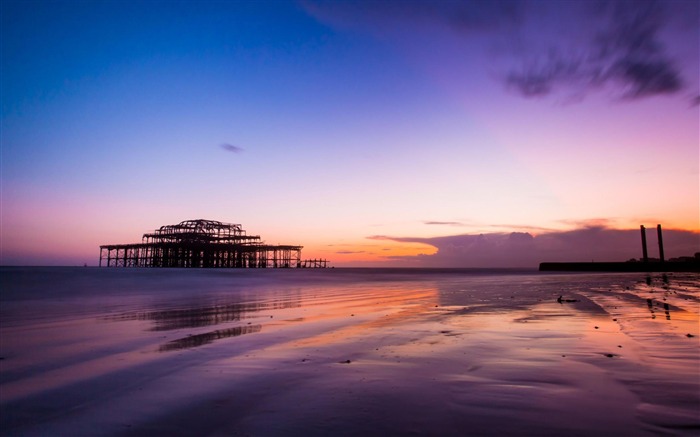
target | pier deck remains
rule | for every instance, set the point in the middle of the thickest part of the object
(204, 243)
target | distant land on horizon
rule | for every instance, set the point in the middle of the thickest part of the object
(516, 249)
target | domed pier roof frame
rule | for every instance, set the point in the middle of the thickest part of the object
(200, 230)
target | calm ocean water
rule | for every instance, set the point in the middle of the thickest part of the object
(30, 293)
(349, 351)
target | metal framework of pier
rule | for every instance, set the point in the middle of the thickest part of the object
(204, 243)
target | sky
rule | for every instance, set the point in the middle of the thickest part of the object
(373, 133)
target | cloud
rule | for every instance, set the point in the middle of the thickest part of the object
(349, 252)
(380, 237)
(522, 249)
(622, 48)
(443, 223)
(590, 223)
(231, 148)
(537, 229)
(628, 47)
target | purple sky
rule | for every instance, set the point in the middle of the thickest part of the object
(328, 124)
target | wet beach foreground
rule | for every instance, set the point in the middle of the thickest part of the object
(347, 352)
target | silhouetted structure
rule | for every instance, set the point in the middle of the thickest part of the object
(645, 254)
(681, 264)
(204, 243)
(314, 263)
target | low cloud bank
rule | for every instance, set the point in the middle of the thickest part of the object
(522, 249)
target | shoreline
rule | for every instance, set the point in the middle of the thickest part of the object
(622, 267)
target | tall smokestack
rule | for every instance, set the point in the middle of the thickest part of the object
(645, 255)
(661, 243)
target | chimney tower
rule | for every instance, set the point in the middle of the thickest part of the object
(645, 255)
(661, 243)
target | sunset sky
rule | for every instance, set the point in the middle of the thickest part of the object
(371, 133)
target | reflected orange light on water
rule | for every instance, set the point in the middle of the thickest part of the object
(374, 310)
(619, 350)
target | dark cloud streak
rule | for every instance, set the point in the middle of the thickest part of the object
(624, 51)
(549, 47)
(443, 223)
(231, 148)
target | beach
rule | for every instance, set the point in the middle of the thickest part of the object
(263, 352)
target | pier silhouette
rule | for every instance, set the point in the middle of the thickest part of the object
(204, 244)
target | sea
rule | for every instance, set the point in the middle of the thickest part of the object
(347, 351)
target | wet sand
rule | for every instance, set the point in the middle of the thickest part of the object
(348, 352)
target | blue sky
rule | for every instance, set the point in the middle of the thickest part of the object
(348, 120)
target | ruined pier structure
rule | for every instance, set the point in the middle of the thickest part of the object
(204, 243)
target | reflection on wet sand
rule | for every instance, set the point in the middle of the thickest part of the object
(208, 337)
(170, 319)
(374, 309)
(211, 315)
(443, 355)
(400, 305)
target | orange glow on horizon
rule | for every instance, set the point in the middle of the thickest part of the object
(363, 252)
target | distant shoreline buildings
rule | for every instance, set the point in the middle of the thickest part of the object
(204, 244)
(645, 264)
